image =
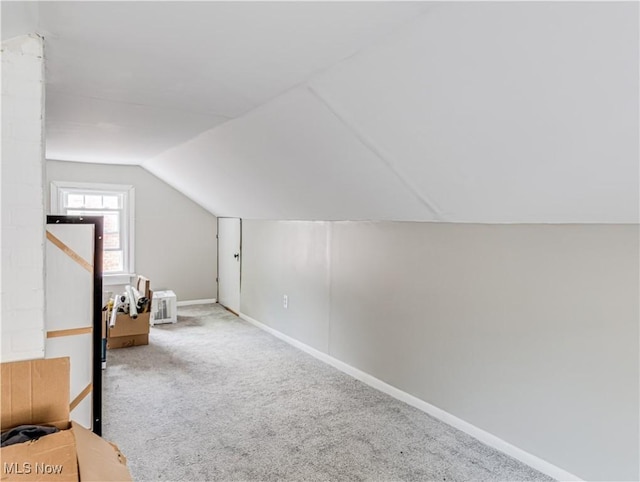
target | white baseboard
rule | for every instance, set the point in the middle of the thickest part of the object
(207, 301)
(478, 433)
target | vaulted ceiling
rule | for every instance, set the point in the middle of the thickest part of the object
(493, 112)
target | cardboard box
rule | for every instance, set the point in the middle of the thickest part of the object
(143, 285)
(127, 331)
(127, 341)
(37, 392)
(127, 326)
(52, 457)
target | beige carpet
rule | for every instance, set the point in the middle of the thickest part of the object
(214, 398)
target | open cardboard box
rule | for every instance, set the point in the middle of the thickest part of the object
(37, 392)
(127, 331)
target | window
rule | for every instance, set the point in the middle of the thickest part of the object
(115, 203)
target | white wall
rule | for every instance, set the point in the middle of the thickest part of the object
(529, 332)
(22, 199)
(175, 239)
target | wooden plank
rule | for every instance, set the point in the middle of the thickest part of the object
(70, 252)
(69, 332)
(81, 396)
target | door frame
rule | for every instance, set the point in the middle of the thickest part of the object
(97, 222)
(218, 260)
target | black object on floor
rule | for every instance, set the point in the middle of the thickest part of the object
(24, 433)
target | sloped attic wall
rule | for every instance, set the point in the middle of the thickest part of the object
(476, 112)
(290, 159)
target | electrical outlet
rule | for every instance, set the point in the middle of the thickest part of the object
(285, 301)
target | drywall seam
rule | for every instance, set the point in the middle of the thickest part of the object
(370, 145)
(470, 429)
(206, 301)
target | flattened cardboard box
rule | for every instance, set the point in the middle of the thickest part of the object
(37, 392)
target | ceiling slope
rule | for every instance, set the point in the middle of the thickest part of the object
(289, 159)
(475, 112)
(128, 80)
(488, 112)
(507, 112)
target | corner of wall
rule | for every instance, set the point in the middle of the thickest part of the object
(22, 198)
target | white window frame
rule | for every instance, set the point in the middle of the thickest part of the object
(58, 188)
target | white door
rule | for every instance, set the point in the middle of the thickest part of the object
(229, 257)
(69, 309)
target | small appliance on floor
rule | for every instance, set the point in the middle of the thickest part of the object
(163, 308)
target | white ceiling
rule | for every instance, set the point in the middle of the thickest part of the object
(492, 112)
(128, 80)
(507, 112)
(288, 159)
